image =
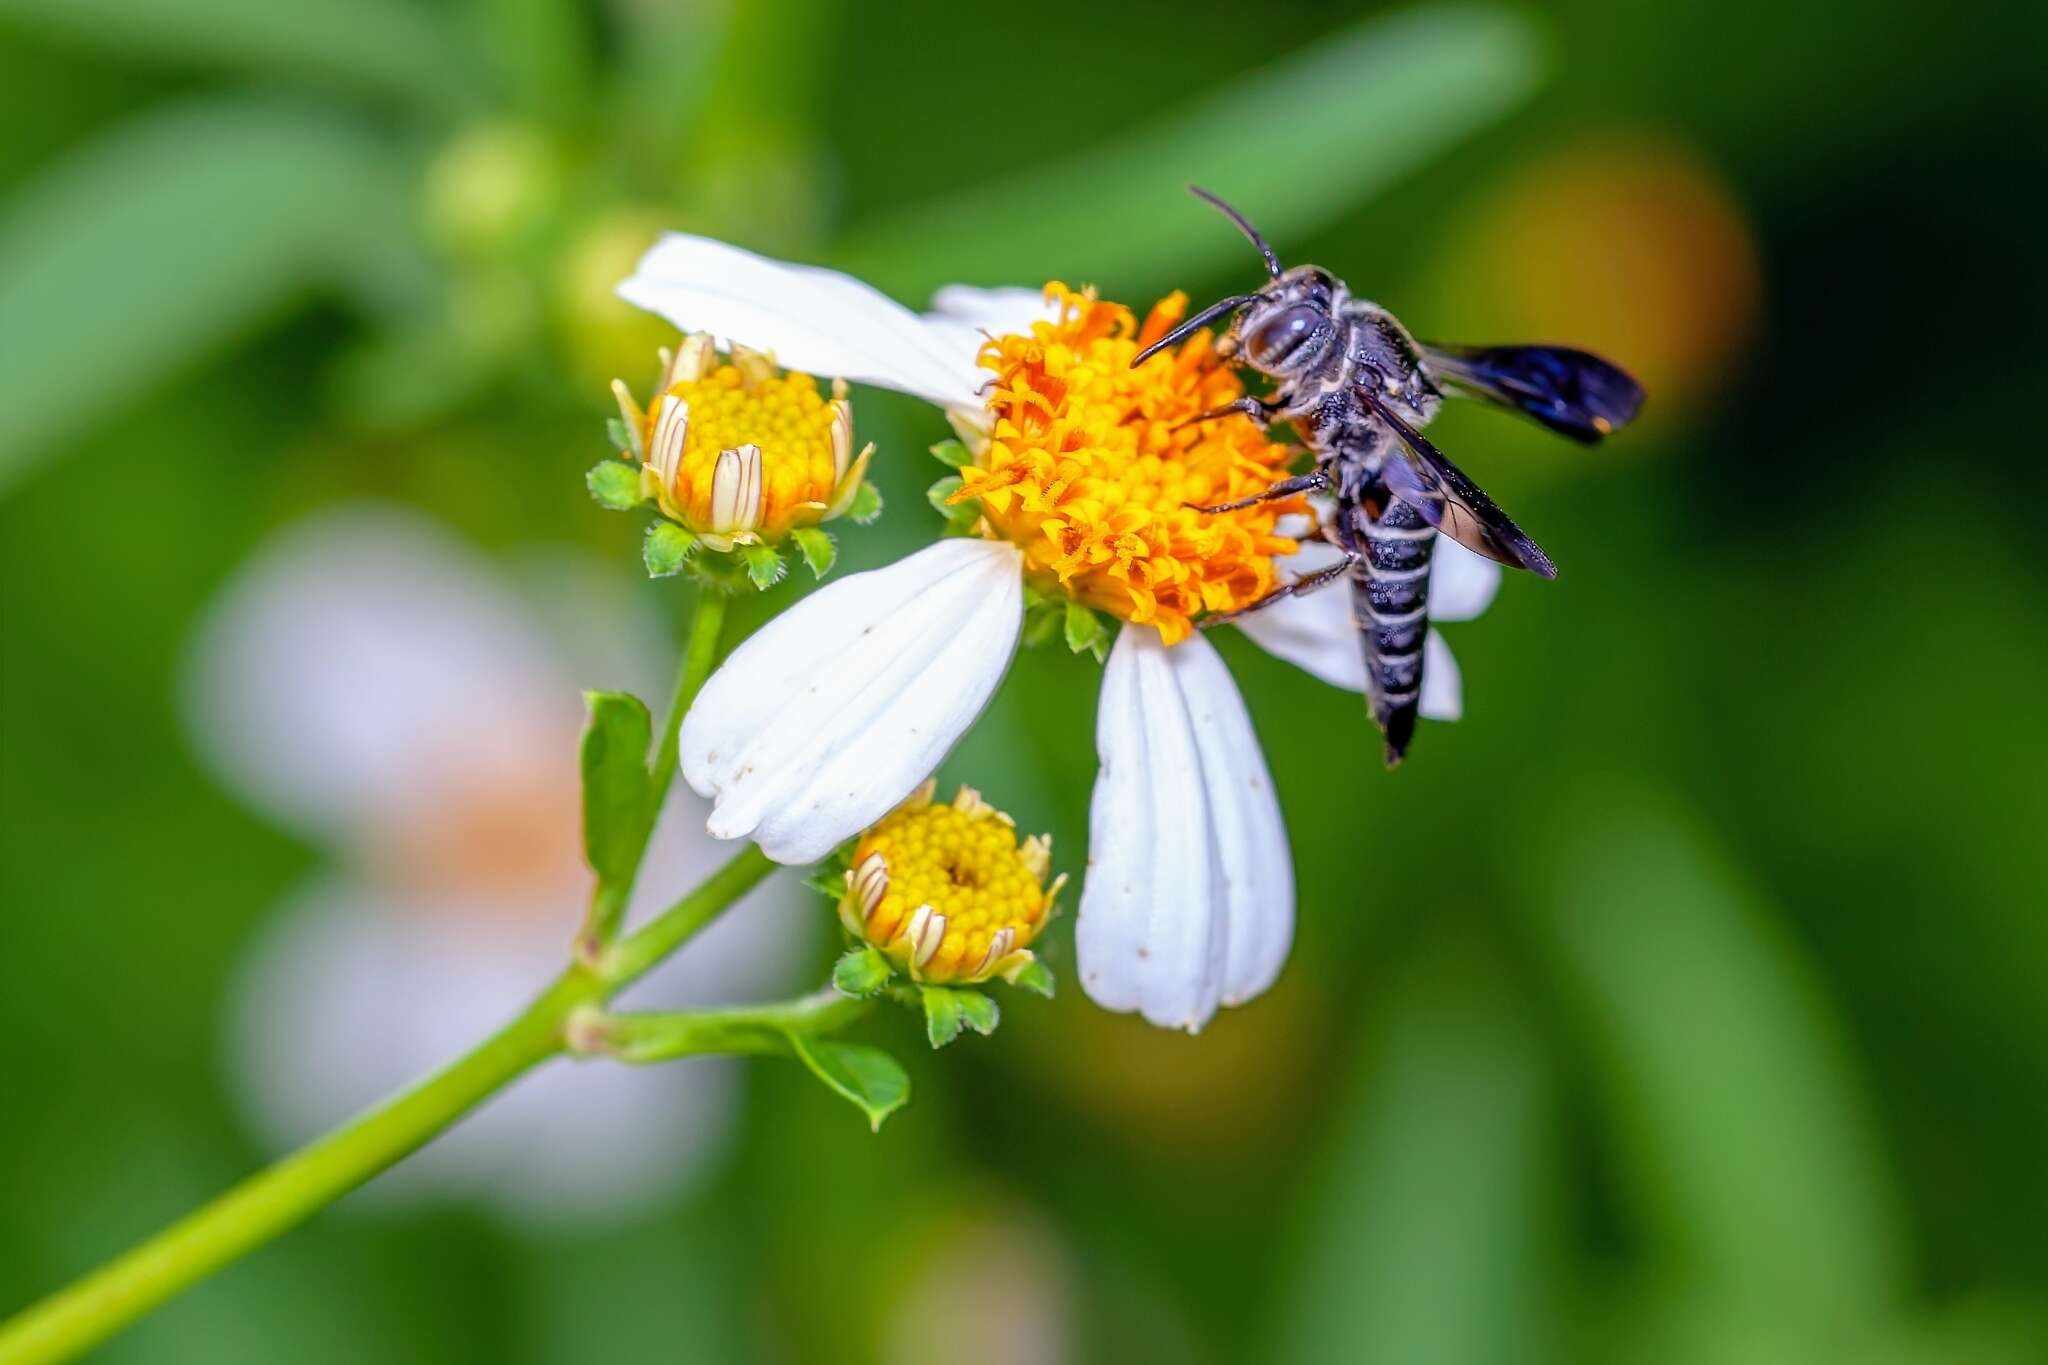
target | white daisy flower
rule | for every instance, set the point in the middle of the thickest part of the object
(834, 711)
(369, 682)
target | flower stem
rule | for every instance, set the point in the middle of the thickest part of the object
(278, 1198)
(700, 653)
(655, 1037)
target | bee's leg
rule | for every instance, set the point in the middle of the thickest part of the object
(1260, 410)
(1315, 481)
(1300, 587)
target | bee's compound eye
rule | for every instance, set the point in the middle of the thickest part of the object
(1281, 335)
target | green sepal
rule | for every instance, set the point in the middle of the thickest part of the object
(615, 484)
(1035, 977)
(860, 973)
(667, 548)
(864, 1076)
(947, 1011)
(618, 795)
(829, 880)
(615, 431)
(1042, 623)
(1085, 632)
(817, 549)
(867, 504)
(952, 454)
(960, 516)
(765, 567)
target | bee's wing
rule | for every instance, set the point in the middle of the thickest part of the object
(1569, 391)
(1419, 474)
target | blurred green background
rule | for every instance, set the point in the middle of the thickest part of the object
(1688, 1001)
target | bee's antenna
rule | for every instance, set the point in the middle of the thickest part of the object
(1272, 261)
(1209, 314)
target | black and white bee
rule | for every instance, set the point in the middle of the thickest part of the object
(1357, 387)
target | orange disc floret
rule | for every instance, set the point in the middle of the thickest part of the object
(1088, 470)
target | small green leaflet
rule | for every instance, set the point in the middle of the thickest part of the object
(948, 1011)
(764, 566)
(818, 550)
(864, 1076)
(667, 549)
(615, 484)
(618, 796)
(860, 973)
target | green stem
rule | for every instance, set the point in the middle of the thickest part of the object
(646, 1037)
(286, 1193)
(700, 653)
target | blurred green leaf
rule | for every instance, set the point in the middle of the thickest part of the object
(864, 1076)
(539, 52)
(139, 254)
(952, 454)
(1429, 1224)
(1294, 145)
(1736, 1110)
(384, 47)
(618, 794)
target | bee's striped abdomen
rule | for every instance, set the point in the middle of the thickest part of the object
(1390, 598)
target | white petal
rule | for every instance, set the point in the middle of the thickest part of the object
(349, 648)
(1443, 690)
(837, 708)
(813, 319)
(1315, 633)
(971, 315)
(1189, 898)
(1461, 583)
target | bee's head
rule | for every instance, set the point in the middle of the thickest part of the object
(1278, 330)
(1285, 325)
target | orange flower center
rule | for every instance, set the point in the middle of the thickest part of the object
(1088, 470)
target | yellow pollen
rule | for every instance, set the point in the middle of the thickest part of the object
(1087, 473)
(739, 451)
(962, 900)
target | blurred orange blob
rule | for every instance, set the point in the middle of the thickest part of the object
(1628, 245)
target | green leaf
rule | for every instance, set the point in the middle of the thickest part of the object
(865, 1076)
(764, 566)
(1036, 978)
(668, 547)
(947, 1011)
(615, 484)
(618, 794)
(1445, 1137)
(1085, 632)
(379, 47)
(817, 548)
(867, 504)
(147, 250)
(1390, 95)
(860, 973)
(615, 432)
(1677, 967)
(952, 454)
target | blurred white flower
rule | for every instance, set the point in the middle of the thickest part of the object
(384, 691)
(835, 710)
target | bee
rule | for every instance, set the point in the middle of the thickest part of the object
(1358, 387)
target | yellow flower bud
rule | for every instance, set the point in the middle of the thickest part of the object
(948, 893)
